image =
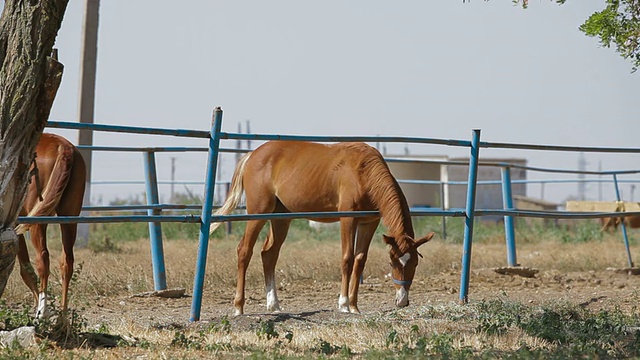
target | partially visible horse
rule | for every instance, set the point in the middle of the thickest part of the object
(295, 176)
(56, 187)
(613, 222)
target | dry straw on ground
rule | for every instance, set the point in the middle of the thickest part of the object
(308, 278)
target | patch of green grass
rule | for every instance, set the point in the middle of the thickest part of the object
(65, 330)
(495, 317)
(325, 348)
(584, 231)
(420, 344)
(574, 330)
(14, 317)
(267, 329)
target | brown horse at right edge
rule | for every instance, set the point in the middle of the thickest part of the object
(296, 176)
(56, 187)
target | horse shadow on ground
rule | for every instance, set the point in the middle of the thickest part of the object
(251, 322)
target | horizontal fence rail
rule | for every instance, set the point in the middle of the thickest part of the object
(499, 145)
(128, 129)
(303, 215)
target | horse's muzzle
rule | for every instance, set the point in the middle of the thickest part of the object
(402, 297)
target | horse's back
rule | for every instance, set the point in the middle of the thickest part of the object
(308, 176)
(323, 156)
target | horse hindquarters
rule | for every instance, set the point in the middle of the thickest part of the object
(60, 178)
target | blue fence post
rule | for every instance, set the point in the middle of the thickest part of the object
(469, 215)
(507, 204)
(155, 230)
(624, 228)
(207, 208)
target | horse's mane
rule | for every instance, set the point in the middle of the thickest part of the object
(384, 191)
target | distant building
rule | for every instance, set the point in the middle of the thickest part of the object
(444, 192)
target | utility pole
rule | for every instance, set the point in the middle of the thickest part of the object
(239, 144)
(87, 99)
(600, 182)
(173, 179)
(248, 129)
(582, 186)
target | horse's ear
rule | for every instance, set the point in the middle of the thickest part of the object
(391, 241)
(424, 239)
(388, 240)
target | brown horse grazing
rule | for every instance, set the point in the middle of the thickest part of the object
(56, 187)
(613, 222)
(281, 176)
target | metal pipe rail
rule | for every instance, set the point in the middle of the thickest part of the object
(498, 182)
(501, 145)
(222, 218)
(311, 215)
(128, 129)
(370, 139)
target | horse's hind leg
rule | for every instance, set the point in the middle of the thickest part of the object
(245, 251)
(66, 260)
(39, 241)
(270, 253)
(27, 272)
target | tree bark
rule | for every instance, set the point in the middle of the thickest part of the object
(29, 80)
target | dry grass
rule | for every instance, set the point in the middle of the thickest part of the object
(308, 276)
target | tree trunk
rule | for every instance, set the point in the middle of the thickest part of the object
(29, 80)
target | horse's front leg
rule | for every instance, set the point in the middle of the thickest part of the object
(365, 233)
(347, 235)
(245, 251)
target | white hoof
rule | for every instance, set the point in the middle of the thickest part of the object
(42, 312)
(273, 304)
(343, 304)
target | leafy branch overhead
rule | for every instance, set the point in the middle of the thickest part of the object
(618, 23)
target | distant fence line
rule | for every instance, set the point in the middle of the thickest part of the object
(154, 216)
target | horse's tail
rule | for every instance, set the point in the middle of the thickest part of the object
(54, 188)
(235, 193)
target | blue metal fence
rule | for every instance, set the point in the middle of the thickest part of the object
(154, 216)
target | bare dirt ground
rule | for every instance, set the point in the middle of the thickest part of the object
(312, 299)
(312, 302)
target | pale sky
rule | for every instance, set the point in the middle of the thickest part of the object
(434, 69)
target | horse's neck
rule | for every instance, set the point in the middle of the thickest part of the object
(385, 192)
(397, 218)
(394, 209)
